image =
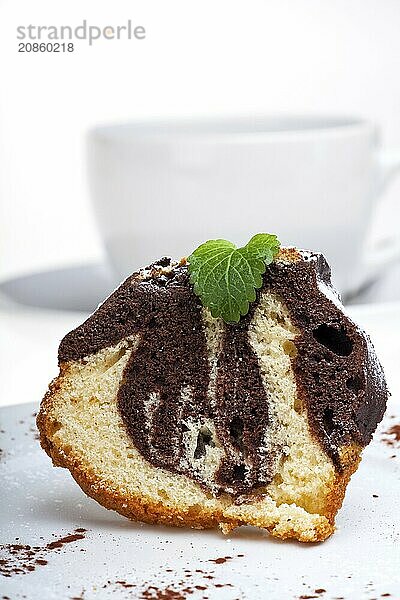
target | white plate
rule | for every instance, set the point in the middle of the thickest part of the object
(41, 504)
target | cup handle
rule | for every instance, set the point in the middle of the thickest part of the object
(385, 251)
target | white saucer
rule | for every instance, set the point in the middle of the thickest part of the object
(80, 288)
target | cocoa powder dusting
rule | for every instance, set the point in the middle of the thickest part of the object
(74, 537)
(392, 435)
(20, 559)
(220, 561)
(179, 589)
(125, 585)
(155, 593)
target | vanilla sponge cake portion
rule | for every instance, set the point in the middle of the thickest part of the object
(168, 415)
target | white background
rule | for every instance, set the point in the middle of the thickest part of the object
(209, 57)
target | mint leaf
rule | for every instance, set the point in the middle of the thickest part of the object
(226, 277)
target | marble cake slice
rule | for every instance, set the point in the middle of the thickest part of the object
(168, 415)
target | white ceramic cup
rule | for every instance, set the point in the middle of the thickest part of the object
(162, 188)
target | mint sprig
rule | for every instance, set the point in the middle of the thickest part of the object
(226, 277)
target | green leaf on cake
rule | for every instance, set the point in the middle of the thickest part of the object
(226, 277)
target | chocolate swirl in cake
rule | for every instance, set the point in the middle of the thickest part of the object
(166, 380)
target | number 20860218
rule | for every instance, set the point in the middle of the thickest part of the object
(45, 47)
